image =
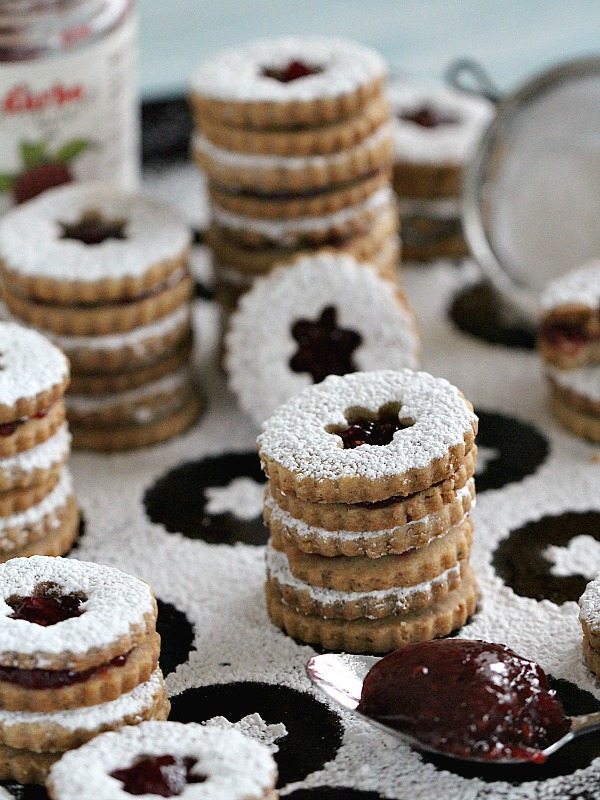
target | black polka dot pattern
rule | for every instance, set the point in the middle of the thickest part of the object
(332, 793)
(521, 562)
(314, 731)
(180, 500)
(176, 636)
(517, 449)
(577, 755)
(20, 792)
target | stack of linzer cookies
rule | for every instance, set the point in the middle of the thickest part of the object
(295, 137)
(38, 512)
(368, 500)
(104, 275)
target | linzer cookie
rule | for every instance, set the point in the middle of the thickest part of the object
(167, 759)
(368, 508)
(321, 315)
(286, 82)
(589, 617)
(79, 656)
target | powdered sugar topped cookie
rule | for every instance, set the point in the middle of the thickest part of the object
(107, 610)
(578, 288)
(30, 466)
(323, 314)
(589, 612)
(436, 125)
(367, 436)
(33, 373)
(205, 763)
(288, 80)
(90, 242)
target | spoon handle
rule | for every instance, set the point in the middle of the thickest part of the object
(585, 723)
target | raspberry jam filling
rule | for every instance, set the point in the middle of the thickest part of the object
(428, 117)
(291, 72)
(377, 429)
(8, 428)
(471, 699)
(93, 228)
(55, 678)
(324, 348)
(569, 336)
(164, 776)
(47, 606)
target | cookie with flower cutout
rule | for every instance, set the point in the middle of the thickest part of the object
(367, 436)
(90, 244)
(286, 82)
(168, 759)
(321, 315)
(73, 634)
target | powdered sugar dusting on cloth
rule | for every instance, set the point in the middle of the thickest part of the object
(584, 381)
(92, 717)
(31, 243)
(278, 567)
(115, 602)
(237, 74)
(29, 364)
(260, 342)
(579, 287)
(296, 436)
(254, 726)
(447, 143)
(43, 456)
(236, 766)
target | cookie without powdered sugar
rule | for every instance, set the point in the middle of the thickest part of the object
(420, 428)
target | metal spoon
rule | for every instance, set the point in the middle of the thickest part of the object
(341, 676)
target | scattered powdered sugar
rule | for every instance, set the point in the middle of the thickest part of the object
(43, 456)
(584, 381)
(29, 364)
(242, 497)
(305, 531)
(296, 435)
(579, 287)
(252, 161)
(254, 726)
(31, 243)
(165, 385)
(50, 505)
(237, 74)
(288, 230)
(260, 342)
(137, 339)
(92, 717)
(485, 455)
(447, 143)
(580, 557)
(115, 602)
(236, 766)
(278, 567)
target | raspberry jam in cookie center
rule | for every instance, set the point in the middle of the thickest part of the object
(47, 605)
(323, 347)
(292, 71)
(377, 429)
(471, 699)
(93, 228)
(428, 117)
(164, 776)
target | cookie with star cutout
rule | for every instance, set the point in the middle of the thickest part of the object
(322, 315)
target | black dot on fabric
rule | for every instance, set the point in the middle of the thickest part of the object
(332, 793)
(578, 754)
(181, 500)
(176, 634)
(521, 562)
(202, 291)
(517, 448)
(28, 792)
(314, 731)
(476, 311)
(80, 533)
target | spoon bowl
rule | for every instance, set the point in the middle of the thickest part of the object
(340, 676)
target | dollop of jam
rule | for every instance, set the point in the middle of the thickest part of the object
(378, 430)
(565, 335)
(93, 228)
(55, 678)
(469, 699)
(428, 117)
(47, 605)
(323, 347)
(292, 71)
(164, 776)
